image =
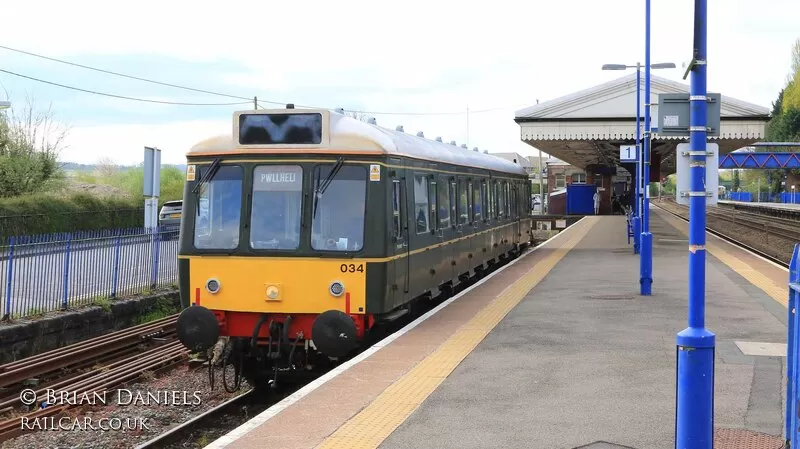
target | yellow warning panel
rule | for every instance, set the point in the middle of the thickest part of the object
(190, 170)
(374, 172)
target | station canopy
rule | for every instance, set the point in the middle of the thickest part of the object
(586, 128)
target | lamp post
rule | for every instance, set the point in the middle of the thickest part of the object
(639, 176)
(694, 409)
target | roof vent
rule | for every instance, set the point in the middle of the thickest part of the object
(464, 146)
(452, 142)
(340, 111)
(290, 106)
(438, 139)
(475, 149)
(400, 128)
(372, 121)
(420, 134)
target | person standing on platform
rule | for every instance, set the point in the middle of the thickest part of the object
(596, 198)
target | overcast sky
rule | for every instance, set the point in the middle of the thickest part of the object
(405, 57)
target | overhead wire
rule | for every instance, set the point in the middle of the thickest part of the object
(119, 96)
(249, 99)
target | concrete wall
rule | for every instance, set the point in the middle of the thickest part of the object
(24, 338)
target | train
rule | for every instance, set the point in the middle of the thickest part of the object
(305, 229)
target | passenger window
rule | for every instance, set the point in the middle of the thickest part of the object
(463, 202)
(421, 209)
(484, 203)
(444, 205)
(501, 204)
(398, 232)
(453, 203)
(508, 199)
(432, 199)
(477, 204)
(490, 196)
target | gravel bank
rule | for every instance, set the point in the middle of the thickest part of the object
(149, 407)
(775, 246)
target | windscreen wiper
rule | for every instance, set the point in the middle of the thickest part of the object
(209, 174)
(321, 187)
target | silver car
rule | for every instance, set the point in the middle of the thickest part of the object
(169, 218)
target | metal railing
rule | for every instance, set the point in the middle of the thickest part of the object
(792, 420)
(43, 273)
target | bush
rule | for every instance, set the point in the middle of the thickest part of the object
(47, 213)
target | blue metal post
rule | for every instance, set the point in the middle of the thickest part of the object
(694, 427)
(10, 273)
(636, 220)
(646, 244)
(790, 420)
(65, 298)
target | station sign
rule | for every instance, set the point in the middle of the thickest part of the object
(628, 153)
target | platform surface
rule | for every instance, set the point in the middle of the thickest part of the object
(789, 206)
(558, 350)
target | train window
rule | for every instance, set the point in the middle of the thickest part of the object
(219, 209)
(421, 206)
(501, 204)
(463, 202)
(477, 204)
(432, 197)
(398, 234)
(276, 207)
(484, 206)
(274, 129)
(453, 203)
(507, 197)
(338, 208)
(490, 197)
(444, 204)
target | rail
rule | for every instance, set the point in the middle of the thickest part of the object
(44, 273)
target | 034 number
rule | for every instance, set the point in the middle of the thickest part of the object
(351, 268)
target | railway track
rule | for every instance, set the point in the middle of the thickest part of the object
(742, 221)
(93, 366)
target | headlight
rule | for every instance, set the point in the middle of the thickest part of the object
(336, 288)
(212, 285)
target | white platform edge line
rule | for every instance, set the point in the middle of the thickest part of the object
(720, 239)
(269, 413)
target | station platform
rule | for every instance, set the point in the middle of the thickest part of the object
(557, 350)
(786, 206)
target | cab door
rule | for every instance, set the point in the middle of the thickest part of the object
(398, 238)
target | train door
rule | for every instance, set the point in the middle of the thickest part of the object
(448, 220)
(464, 226)
(423, 231)
(398, 266)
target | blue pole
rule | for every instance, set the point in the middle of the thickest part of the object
(694, 427)
(646, 245)
(637, 175)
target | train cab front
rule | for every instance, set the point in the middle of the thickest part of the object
(268, 259)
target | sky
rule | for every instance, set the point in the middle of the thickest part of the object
(395, 59)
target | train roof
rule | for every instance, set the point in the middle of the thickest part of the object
(342, 134)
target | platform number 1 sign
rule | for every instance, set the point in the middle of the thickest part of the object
(627, 153)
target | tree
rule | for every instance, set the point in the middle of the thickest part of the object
(106, 168)
(30, 143)
(736, 181)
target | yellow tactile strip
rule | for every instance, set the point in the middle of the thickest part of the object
(378, 420)
(753, 275)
